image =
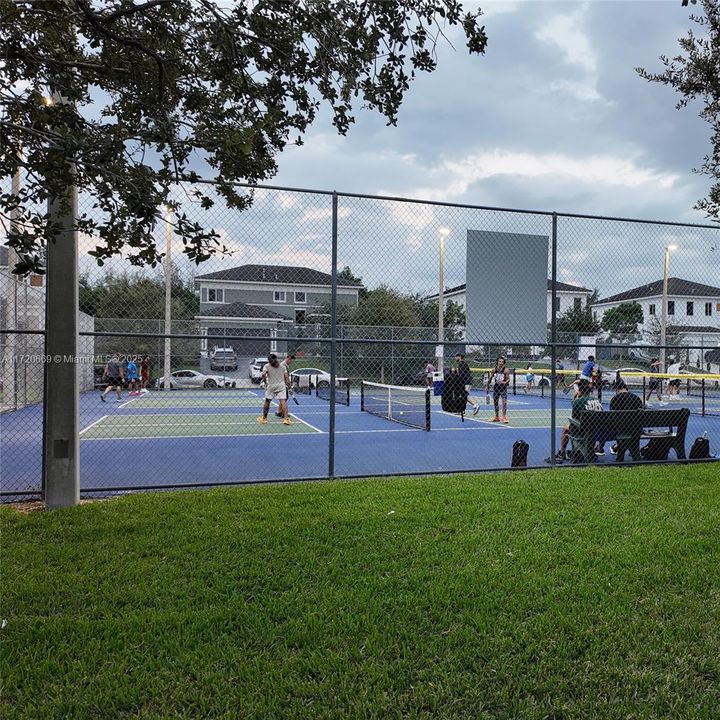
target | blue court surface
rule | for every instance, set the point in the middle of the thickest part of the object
(212, 437)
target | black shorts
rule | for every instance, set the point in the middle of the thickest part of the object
(674, 383)
(654, 385)
(114, 381)
(500, 391)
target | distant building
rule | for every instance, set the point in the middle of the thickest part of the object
(567, 297)
(245, 303)
(693, 312)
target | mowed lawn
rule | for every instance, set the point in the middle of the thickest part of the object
(576, 593)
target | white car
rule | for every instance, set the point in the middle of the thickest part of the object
(256, 367)
(310, 377)
(194, 379)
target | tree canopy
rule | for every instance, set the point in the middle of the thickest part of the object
(623, 319)
(695, 75)
(147, 93)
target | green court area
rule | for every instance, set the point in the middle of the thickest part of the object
(196, 400)
(146, 426)
(526, 417)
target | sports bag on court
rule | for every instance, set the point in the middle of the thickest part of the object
(454, 396)
(519, 454)
(700, 449)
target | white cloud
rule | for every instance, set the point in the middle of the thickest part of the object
(566, 33)
(587, 92)
(455, 177)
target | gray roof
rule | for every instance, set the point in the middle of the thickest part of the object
(676, 286)
(693, 329)
(560, 287)
(241, 310)
(276, 274)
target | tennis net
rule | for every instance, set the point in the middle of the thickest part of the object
(406, 405)
(342, 391)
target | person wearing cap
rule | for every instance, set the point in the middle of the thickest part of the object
(276, 381)
(584, 402)
(622, 400)
(674, 383)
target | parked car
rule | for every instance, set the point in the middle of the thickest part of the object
(223, 358)
(609, 375)
(256, 367)
(310, 377)
(194, 379)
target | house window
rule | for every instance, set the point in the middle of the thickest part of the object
(671, 307)
(279, 296)
(690, 308)
(301, 297)
(214, 295)
(299, 317)
(651, 309)
(577, 303)
(708, 308)
(557, 304)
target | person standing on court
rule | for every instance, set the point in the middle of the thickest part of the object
(674, 383)
(654, 384)
(559, 376)
(133, 378)
(144, 372)
(114, 376)
(499, 378)
(429, 372)
(466, 378)
(287, 362)
(588, 373)
(277, 381)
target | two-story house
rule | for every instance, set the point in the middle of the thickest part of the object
(693, 312)
(249, 303)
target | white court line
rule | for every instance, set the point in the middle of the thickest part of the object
(127, 402)
(95, 423)
(193, 437)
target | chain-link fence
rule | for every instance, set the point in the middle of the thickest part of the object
(416, 337)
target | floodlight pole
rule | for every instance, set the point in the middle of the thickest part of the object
(168, 298)
(664, 309)
(442, 234)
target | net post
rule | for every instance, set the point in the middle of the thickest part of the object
(427, 409)
(514, 382)
(702, 396)
(362, 396)
(347, 393)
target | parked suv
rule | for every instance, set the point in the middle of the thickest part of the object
(223, 358)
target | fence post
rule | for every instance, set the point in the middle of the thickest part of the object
(333, 333)
(553, 338)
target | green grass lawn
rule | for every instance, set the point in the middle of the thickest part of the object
(591, 593)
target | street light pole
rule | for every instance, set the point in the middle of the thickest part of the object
(663, 315)
(442, 234)
(168, 297)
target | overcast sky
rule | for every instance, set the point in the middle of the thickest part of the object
(553, 117)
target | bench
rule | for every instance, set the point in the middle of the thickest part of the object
(628, 428)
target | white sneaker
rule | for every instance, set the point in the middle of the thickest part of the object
(476, 408)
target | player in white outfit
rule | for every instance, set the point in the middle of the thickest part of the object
(277, 381)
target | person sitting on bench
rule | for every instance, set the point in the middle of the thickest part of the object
(584, 402)
(622, 400)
